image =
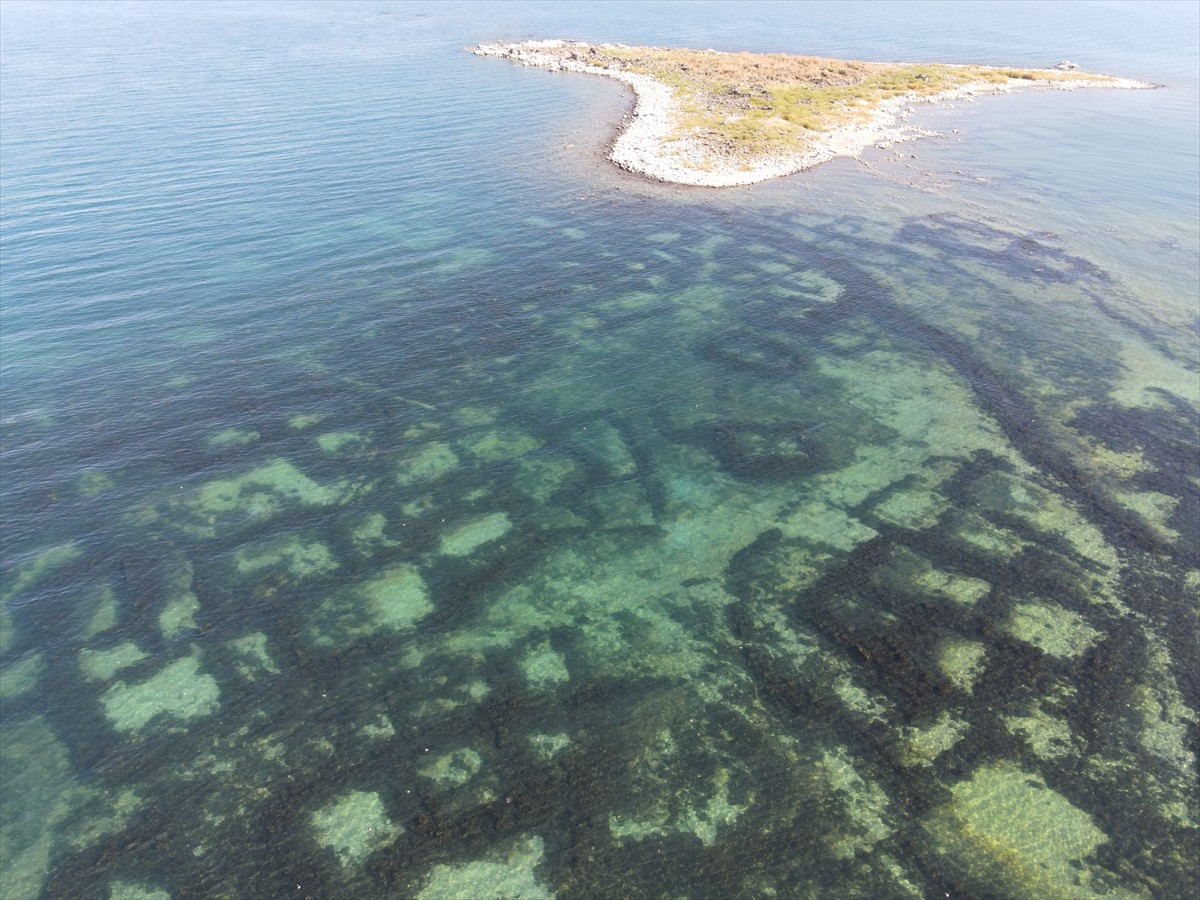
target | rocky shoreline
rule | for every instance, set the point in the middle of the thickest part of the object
(651, 142)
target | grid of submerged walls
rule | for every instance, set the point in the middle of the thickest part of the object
(852, 605)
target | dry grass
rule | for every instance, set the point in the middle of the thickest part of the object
(748, 104)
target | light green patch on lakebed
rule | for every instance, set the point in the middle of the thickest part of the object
(921, 745)
(253, 658)
(546, 745)
(232, 437)
(102, 665)
(340, 441)
(19, 678)
(602, 442)
(502, 444)
(454, 768)
(304, 420)
(354, 826)
(259, 495)
(541, 477)
(393, 601)
(181, 691)
(961, 660)
(1051, 628)
(39, 567)
(502, 876)
(464, 539)
(1005, 829)
(299, 557)
(128, 890)
(93, 483)
(369, 533)
(179, 614)
(544, 667)
(429, 463)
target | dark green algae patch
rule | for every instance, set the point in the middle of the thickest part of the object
(747, 569)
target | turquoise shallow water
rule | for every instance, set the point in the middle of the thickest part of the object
(399, 501)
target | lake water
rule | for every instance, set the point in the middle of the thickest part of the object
(398, 500)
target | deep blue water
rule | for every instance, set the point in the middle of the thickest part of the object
(399, 500)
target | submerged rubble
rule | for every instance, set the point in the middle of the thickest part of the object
(833, 609)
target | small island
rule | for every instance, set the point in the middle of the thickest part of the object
(717, 119)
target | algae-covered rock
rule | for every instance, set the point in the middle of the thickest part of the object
(1165, 718)
(500, 876)
(1154, 507)
(100, 818)
(777, 569)
(464, 539)
(767, 451)
(683, 775)
(354, 826)
(1006, 831)
(474, 415)
(702, 821)
(870, 706)
(816, 286)
(180, 691)
(451, 696)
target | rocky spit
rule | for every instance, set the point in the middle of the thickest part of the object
(649, 144)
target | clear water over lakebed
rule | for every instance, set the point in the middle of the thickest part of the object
(397, 502)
